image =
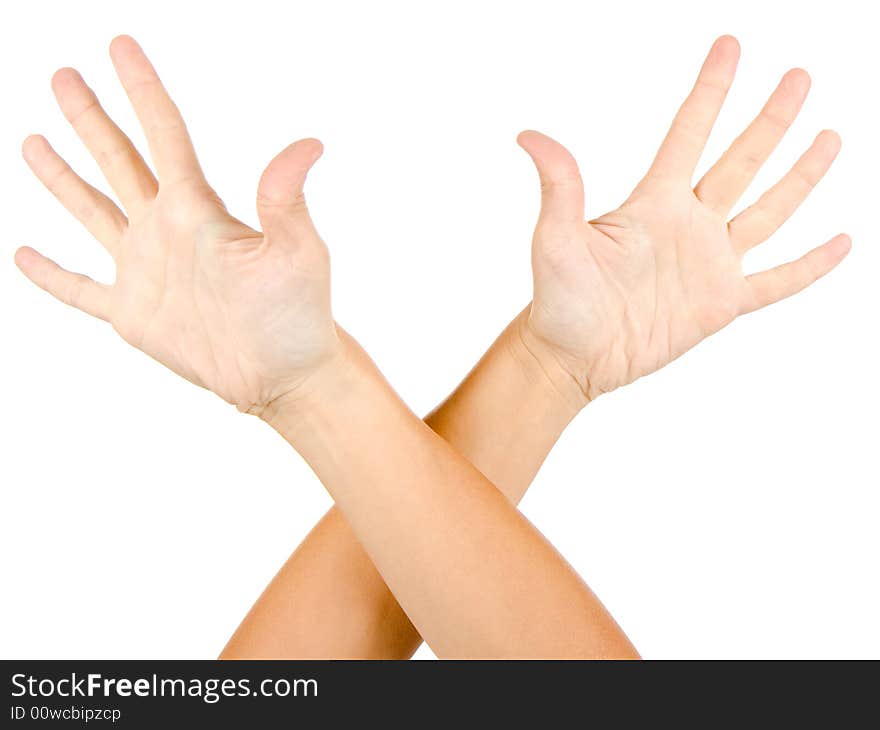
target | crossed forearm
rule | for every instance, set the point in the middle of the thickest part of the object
(425, 531)
(328, 600)
(473, 575)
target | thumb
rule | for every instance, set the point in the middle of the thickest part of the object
(562, 190)
(280, 199)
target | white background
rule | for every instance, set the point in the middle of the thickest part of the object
(724, 507)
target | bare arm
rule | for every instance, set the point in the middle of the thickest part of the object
(328, 600)
(246, 314)
(474, 576)
(615, 298)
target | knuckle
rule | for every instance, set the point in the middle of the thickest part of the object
(74, 291)
(776, 120)
(121, 153)
(751, 162)
(805, 179)
(292, 205)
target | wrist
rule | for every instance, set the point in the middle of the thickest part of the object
(327, 382)
(542, 364)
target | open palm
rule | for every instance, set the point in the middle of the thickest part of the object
(620, 296)
(242, 313)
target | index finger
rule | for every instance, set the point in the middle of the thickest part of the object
(681, 149)
(170, 145)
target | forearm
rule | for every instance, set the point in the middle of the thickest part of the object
(471, 572)
(328, 600)
(511, 409)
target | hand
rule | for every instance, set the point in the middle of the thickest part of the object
(620, 296)
(242, 313)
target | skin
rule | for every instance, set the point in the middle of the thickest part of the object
(247, 315)
(242, 313)
(328, 600)
(614, 299)
(622, 295)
